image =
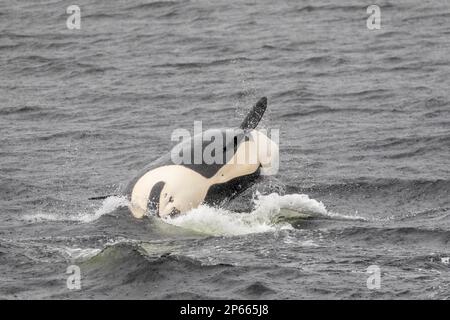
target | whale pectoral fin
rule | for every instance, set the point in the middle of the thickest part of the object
(155, 196)
(102, 197)
(254, 116)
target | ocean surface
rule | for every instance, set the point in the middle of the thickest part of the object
(364, 120)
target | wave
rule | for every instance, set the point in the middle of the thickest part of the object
(404, 142)
(127, 267)
(345, 8)
(271, 213)
(188, 65)
(417, 18)
(106, 16)
(22, 109)
(439, 213)
(109, 205)
(324, 60)
(399, 236)
(153, 5)
(32, 63)
(410, 188)
(264, 217)
(78, 134)
(80, 253)
(324, 110)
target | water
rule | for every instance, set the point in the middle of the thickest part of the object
(364, 120)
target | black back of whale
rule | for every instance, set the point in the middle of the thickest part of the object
(208, 170)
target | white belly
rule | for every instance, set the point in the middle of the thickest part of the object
(184, 189)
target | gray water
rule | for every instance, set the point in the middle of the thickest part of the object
(364, 119)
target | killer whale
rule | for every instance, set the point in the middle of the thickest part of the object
(167, 188)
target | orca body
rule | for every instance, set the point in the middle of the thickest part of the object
(168, 188)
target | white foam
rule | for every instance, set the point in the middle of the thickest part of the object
(298, 202)
(81, 253)
(216, 221)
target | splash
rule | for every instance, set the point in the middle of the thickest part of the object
(80, 253)
(218, 221)
(109, 204)
(221, 222)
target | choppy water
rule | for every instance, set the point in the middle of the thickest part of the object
(364, 118)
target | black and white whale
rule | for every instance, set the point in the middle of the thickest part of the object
(180, 180)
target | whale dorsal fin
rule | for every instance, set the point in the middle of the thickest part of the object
(252, 119)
